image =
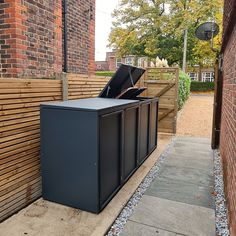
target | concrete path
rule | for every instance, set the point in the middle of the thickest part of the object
(179, 201)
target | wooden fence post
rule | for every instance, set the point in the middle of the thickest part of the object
(63, 77)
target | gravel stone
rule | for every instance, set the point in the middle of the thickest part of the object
(222, 228)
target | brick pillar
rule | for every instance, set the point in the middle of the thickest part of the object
(31, 38)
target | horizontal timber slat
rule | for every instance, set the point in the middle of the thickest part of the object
(20, 99)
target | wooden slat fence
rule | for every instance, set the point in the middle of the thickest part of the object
(83, 86)
(20, 181)
(163, 83)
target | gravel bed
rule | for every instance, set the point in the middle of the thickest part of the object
(220, 203)
(126, 212)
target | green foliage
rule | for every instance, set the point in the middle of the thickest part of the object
(147, 28)
(202, 86)
(105, 73)
(184, 88)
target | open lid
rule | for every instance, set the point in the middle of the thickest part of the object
(125, 77)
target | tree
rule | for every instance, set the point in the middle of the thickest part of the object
(155, 28)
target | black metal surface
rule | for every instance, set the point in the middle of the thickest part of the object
(131, 93)
(125, 77)
(110, 154)
(69, 158)
(153, 126)
(207, 31)
(144, 131)
(92, 104)
(90, 147)
(130, 140)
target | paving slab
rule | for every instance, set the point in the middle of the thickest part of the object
(182, 192)
(174, 216)
(186, 175)
(187, 162)
(189, 153)
(201, 146)
(189, 139)
(136, 229)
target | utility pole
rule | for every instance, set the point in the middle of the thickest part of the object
(185, 42)
(185, 50)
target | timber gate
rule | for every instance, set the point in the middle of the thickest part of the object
(163, 83)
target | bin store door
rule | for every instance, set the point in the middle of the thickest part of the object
(110, 155)
(144, 132)
(130, 141)
(153, 126)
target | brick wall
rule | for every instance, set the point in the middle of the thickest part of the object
(81, 36)
(42, 47)
(228, 123)
(31, 37)
(9, 20)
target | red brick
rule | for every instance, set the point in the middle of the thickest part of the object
(34, 33)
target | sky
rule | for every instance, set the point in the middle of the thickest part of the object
(104, 8)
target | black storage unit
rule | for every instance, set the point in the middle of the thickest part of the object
(90, 147)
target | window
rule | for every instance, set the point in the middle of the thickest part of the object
(193, 75)
(129, 61)
(140, 62)
(118, 62)
(208, 76)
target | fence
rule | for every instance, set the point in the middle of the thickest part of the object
(163, 83)
(20, 182)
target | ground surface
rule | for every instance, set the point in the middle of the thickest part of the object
(195, 119)
(43, 218)
(179, 201)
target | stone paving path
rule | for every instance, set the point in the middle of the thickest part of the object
(179, 201)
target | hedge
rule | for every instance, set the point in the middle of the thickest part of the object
(105, 73)
(202, 86)
(184, 88)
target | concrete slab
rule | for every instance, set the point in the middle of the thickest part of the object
(189, 139)
(193, 146)
(189, 153)
(182, 192)
(199, 162)
(136, 229)
(184, 175)
(175, 216)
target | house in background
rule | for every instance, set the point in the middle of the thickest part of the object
(112, 62)
(101, 66)
(203, 74)
(36, 41)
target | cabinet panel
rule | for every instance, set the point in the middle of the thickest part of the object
(153, 126)
(130, 140)
(110, 154)
(144, 131)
